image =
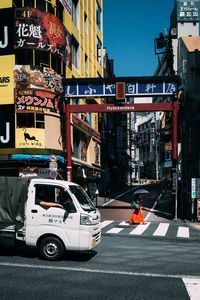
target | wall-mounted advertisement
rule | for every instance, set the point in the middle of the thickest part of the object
(37, 78)
(42, 31)
(188, 11)
(7, 126)
(30, 138)
(6, 31)
(95, 152)
(7, 63)
(37, 100)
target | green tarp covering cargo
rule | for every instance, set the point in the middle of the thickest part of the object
(13, 196)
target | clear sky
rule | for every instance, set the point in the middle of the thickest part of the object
(130, 27)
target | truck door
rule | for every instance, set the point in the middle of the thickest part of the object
(53, 212)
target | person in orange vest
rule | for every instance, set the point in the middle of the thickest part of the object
(137, 214)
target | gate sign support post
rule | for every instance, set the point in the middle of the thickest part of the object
(174, 155)
(68, 142)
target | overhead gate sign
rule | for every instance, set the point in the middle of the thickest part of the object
(133, 87)
(7, 126)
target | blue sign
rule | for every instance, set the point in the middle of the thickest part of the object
(132, 89)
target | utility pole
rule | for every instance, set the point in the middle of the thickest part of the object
(156, 146)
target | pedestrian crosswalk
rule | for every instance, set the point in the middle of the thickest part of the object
(149, 228)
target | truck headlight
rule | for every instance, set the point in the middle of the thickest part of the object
(86, 220)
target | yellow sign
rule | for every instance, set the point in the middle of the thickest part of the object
(5, 4)
(7, 63)
(30, 138)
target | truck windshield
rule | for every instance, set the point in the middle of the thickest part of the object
(82, 198)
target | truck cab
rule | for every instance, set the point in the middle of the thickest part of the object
(59, 216)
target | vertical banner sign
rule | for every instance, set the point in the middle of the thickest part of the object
(7, 126)
(120, 90)
(6, 31)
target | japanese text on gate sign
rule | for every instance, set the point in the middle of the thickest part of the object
(117, 89)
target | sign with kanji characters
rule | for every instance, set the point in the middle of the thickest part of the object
(42, 31)
(188, 11)
(131, 89)
(37, 100)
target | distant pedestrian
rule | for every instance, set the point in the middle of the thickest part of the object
(137, 214)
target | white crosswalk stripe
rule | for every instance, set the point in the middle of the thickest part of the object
(105, 223)
(162, 229)
(140, 229)
(193, 287)
(115, 230)
(183, 232)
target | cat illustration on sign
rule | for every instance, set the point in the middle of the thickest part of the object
(28, 137)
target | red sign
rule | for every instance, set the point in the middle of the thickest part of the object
(37, 100)
(120, 90)
(53, 174)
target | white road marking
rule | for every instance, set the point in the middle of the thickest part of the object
(48, 267)
(193, 287)
(114, 230)
(124, 223)
(106, 223)
(151, 210)
(162, 229)
(183, 232)
(140, 229)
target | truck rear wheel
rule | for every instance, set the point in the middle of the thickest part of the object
(51, 248)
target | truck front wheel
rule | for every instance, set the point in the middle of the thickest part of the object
(51, 248)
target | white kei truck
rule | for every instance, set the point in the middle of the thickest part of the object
(76, 225)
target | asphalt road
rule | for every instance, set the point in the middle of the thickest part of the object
(121, 267)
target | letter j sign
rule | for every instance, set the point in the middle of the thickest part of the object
(7, 126)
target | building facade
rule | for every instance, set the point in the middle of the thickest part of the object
(42, 42)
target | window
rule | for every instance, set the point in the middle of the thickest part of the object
(50, 8)
(54, 194)
(24, 57)
(25, 120)
(39, 120)
(75, 53)
(41, 5)
(86, 64)
(17, 3)
(30, 120)
(58, 65)
(99, 14)
(28, 3)
(99, 51)
(42, 58)
(85, 22)
(59, 10)
(75, 13)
